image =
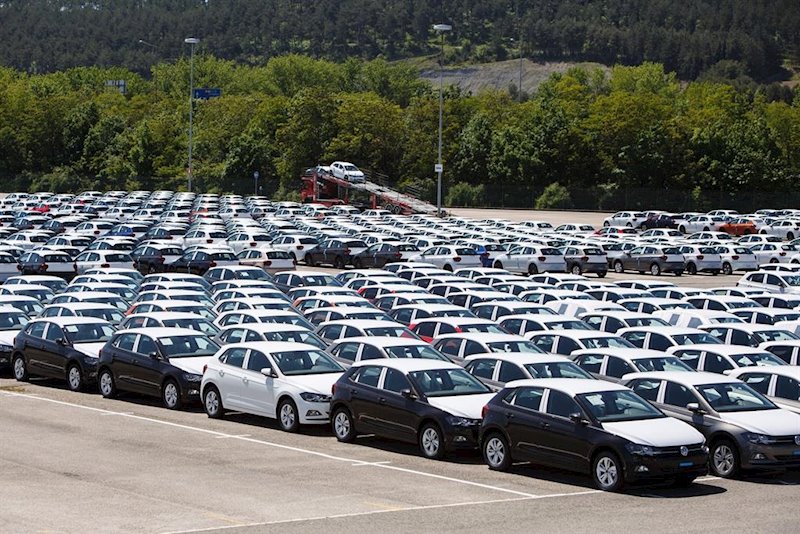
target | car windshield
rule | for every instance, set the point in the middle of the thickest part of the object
(252, 274)
(187, 346)
(757, 359)
(198, 310)
(569, 325)
(305, 362)
(415, 351)
(112, 316)
(513, 346)
(616, 406)
(694, 339)
(12, 320)
(297, 337)
(88, 333)
(734, 398)
(320, 280)
(792, 280)
(606, 343)
(201, 325)
(484, 328)
(664, 363)
(556, 370)
(774, 335)
(447, 383)
(389, 331)
(647, 321)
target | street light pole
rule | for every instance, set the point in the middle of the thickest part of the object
(441, 28)
(192, 41)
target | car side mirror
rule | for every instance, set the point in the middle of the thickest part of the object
(695, 408)
(267, 371)
(578, 419)
(154, 356)
(408, 394)
(61, 341)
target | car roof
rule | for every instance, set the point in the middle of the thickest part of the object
(687, 379)
(521, 358)
(65, 320)
(162, 331)
(409, 365)
(570, 386)
(274, 346)
(382, 341)
(719, 348)
(791, 371)
(624, 353)
(487, 337)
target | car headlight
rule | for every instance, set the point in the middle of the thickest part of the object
(462, 421)
(315, 397)
(5, 348)
(759, 439)
(191, 377)
(640, 450)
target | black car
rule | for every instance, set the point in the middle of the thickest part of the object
(590, 426)
(60, 347)
(336, 252)
(47, 263)
(153, 258)
(380, 254)
(198, 261)
(662, 220)
(159, 362)
(432, 403)
(12, 321)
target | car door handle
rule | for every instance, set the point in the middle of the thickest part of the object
(382, 400)
(510, 415)
(221, 372)
(353, 391)
(544, 425)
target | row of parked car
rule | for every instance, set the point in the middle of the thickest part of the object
(638, 380)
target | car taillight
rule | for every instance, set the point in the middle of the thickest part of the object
(412, 326)
(75, 266)
(44, 266)
(457, 259)
(252, 244)
(734, 257)
(584, 258)
(204, 369)
(700, 257)
(484, 411)
(459, 330)
(333, 389)
(96, 232)
(541, 258)
(105, 265)
(346, 251)
(299, 247)
(161, 259)
(664, 258)
(209, 240)
(268, 263)
(782, 254)
(212, 264)
(19, 267)
(397, 255)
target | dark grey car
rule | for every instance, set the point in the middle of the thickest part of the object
(586, 259)
(654, 259)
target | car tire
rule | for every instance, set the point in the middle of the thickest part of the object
(496, 452)
(602, 274)
(498, 265)
(171, 395)
(683, 481)
(288, 418)
(74, 378)
(678, 273)
(607, 472)
(431, 442)
(606, 224)
(619, 267)
(20, 368)
(212, 402)
(790, 236)
(576, 269)
(533, 269)
(727, 268)
(682, 229)
(343, 426)
(357, 263)
(655, 269)
(691, 268)
(723, 459)
(715, 272)
(310, 260)
(106, 385)
(338, 262)
(773, 260)
(448, 268)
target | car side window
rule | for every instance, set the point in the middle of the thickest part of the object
(233, 335)
(233, 357)
(37, 330)
(125, 342)
(659, 342)
(53, 332)
(473, 347)
(544, 342)
(716, 363)
(617, 367)
(395, 381)
(787, 388)
(590, 362)
(368, 376)
(566, 346)
(530, 398)
(146, 346)
(403, 316)
(370, 353)
(482, 368)
(257, 361)
(450, 346)
(426, 329)
(347, 351)
(783, 352)
(757, 381)
(561, 404)
(510, 372)
(689, 357)
(333, 331)
(647, 389)
(678, 395)
(252, 336)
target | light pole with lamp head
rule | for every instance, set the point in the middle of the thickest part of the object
(441, 29)
(192, 41)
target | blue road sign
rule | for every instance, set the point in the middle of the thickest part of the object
(204, 93)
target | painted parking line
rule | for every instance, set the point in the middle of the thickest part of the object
(309, 452)
(387, 511)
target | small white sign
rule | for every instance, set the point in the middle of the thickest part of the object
(438, 168)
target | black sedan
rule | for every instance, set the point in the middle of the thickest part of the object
(432, 403)
(199, 261)
(336, 252)
(380, 254)
(153, 258)
(60, 347)
(590, 426)
(47, 263)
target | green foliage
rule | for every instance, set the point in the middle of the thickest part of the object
(554, 196)
(465, 195)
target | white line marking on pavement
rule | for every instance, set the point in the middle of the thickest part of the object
(359, 464)
(392, 511)
(233, 436)
(117, 413)
(281, 446)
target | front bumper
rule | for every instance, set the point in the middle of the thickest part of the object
(462, 437)
(755, 456)
(314, 413)
(661, 467)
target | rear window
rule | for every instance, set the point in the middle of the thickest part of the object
(118, 258)
(465, 252)
(308, 241)
(673, 250)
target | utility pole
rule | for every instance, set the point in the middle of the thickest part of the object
(439, 168)
(192, 41)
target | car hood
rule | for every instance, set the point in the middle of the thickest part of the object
(7, 337)
(769, 422)
(665, 432)
(469, 406)
(90, 349)
(191, 365)
(320, 383)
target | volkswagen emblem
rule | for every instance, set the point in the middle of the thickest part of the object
(684, 450)
(797, 440)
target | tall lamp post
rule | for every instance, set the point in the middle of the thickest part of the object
(441, 29)
(191, 41)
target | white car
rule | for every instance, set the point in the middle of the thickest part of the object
(295, 245)
(700, 259)
(271, 260)
(347, 171)
(105, 259)
(449, 257)
(630, 219)
(773, 252)
(772, 282)
(531, 259)
(290, 382)
(736, 258)
(701, 223)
